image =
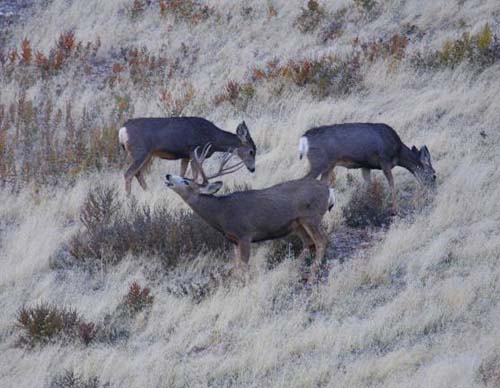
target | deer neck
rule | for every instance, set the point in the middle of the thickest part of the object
(225, 141)
(207, 207)
(408, 159)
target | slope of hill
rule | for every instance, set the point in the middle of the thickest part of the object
(418, 306)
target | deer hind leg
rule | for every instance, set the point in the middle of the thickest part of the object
(319, 164)
(307, 243)
(320, 239)
(329, 177)
(141, 172)
(390, 179)
(133, 170)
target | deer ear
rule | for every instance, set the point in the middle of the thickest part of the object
(425, 155)
(242, 132)
(211, 188)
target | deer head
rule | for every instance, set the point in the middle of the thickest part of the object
(246, 149)
(423, 169)
(185, 186)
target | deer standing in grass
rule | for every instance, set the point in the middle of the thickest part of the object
(176, 138)
(367, 146)
(250, 216)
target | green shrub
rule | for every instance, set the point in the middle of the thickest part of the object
(480, 50)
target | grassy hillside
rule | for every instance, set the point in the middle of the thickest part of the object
(99, 289)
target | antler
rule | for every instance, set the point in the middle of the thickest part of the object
(226, 170)
(199, 158)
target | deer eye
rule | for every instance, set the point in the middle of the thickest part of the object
(252, 152)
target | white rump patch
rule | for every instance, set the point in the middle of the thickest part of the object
(123, 136)
(303, 146)
(331, 198)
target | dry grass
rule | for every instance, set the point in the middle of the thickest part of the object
(416, 307)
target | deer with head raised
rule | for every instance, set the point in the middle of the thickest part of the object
(250, 216)
(367, 146)
(176, 138)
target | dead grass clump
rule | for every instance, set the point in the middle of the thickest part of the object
(367, 6)
(171, 236)
(71, 379)
(45, 323)
(188, 11)
(489, 371)
(236, 94)
(176, 105)
(392, 48)
(137, 298)
(41, 144)
(367, 207)
(480, 50)
(27, 69)
(311, 17)
(282, 249)
(139, 67)
(334, 28)
(325, 76)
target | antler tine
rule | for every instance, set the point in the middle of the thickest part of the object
(198, 159)
(224, 171)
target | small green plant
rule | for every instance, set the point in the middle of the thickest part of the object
(310, 17)
(367, 207)
(479, 50)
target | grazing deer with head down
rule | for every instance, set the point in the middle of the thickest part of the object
(177, 138)
(250, 216)
(366, 146)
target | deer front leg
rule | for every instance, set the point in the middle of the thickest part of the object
(390, 179)
(241, 256)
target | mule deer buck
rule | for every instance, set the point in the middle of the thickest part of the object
(250, 216)
(176, 138)
(367, 146)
